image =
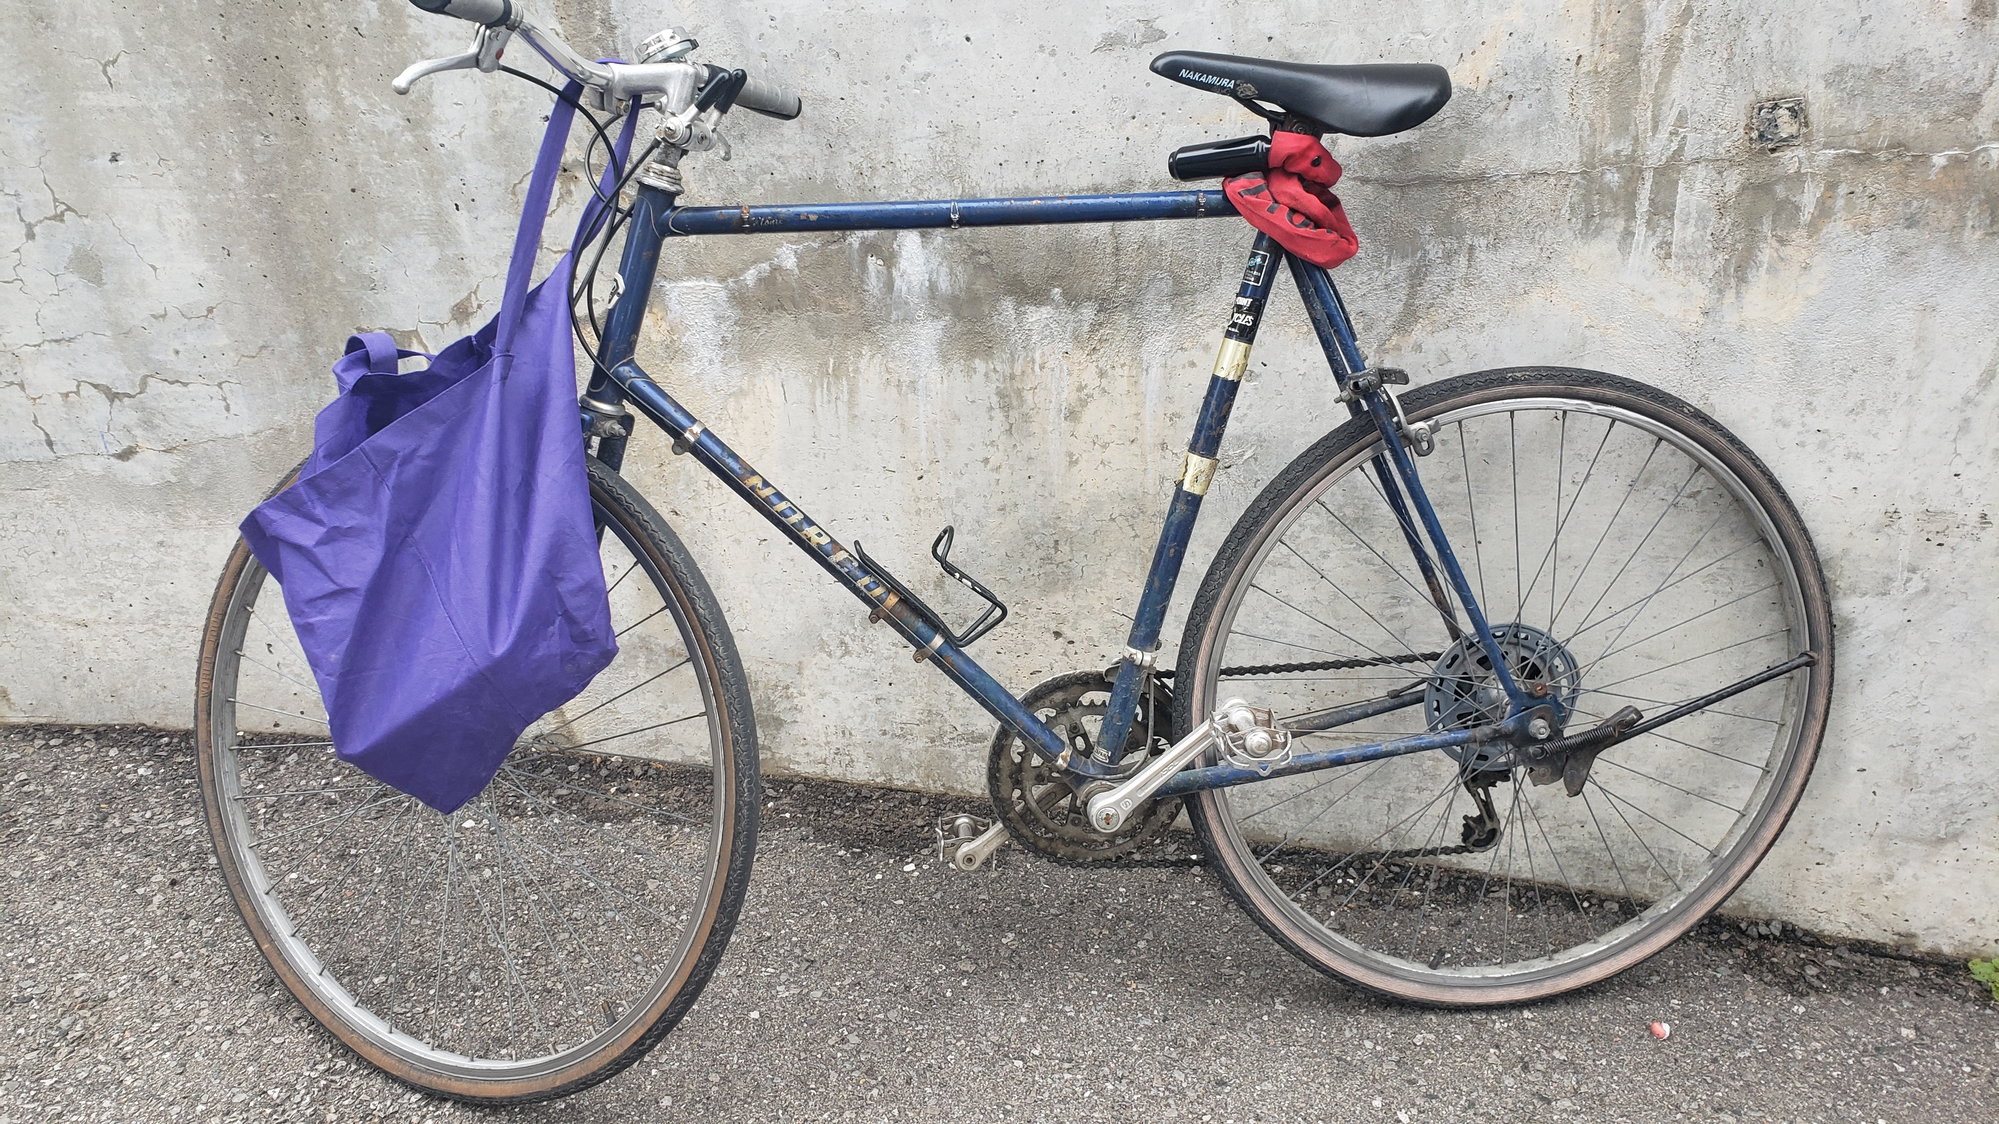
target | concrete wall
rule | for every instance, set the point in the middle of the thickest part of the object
(208, 196)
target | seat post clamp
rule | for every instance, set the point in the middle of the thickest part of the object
(1145, 661)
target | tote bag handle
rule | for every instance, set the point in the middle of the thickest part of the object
(534, 211)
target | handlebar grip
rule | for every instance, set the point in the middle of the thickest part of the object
(769, 100)
(492, 13)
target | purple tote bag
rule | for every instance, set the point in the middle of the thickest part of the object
(437, 552)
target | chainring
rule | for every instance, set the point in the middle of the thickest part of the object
(1034, 801)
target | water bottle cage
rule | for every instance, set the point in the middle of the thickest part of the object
(940, 549)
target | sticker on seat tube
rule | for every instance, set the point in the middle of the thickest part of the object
(1232, 361)
(1243, 321)
(1196, 473)
(1259, 266)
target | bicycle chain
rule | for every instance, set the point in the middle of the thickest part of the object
(1318, 665)
(1180, 862)
(1184, 861)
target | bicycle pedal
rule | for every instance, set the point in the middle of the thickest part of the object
(966, 841)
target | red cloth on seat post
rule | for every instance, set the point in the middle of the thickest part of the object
(1290, 201)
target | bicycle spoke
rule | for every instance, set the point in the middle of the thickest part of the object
(1513, 470)
(1647, 599)
(1619, 801)
(1614, 763)
(1405, 645)
(1421, 594)
(1640, 547)
(274, 710)
(1370, 649)
(1607, 848)
(516, 771)
(1471, 512)
(1631, 538)
(1629, 490)
(614, 698)
(1691, 659)
(639, 730)
(388, 795)
(247, 658)
(1675, 627)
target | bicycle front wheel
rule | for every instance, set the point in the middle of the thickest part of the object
(1627, 551)
(549, 932)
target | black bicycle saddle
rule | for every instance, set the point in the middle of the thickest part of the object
(1365, 100)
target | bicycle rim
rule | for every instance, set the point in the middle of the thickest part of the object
(542, 935)
(1632, 554)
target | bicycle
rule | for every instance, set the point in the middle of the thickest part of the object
(1631, 676)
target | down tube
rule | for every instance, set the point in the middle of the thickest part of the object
(692, 436)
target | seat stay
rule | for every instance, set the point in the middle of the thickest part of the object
(1336, 335)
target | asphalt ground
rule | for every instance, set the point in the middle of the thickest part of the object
(869, 982)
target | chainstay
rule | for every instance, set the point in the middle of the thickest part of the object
(1047, 849)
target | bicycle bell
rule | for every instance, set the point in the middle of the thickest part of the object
(666, 46)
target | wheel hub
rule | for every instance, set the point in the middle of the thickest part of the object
(1464, 690)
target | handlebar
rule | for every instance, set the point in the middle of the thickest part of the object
(671, 81)
(769, 100)
(489, 13)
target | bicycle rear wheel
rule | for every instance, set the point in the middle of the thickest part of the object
(549, 932)
(1627, 550)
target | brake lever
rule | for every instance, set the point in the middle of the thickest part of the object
(484, 55)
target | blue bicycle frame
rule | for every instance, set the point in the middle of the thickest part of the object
(619, 379)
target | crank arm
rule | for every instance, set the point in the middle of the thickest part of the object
(1111, 808)
(969, 853)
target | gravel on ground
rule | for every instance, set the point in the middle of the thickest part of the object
(867, 981)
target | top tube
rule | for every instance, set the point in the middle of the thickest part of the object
(939, 214)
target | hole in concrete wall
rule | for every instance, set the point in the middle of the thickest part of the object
(1778, 122)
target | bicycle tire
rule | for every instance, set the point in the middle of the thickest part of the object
(552, 858)
(1598, 918)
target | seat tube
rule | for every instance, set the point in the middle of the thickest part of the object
(1197, 471)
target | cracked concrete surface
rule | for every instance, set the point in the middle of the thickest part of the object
(207, 197)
